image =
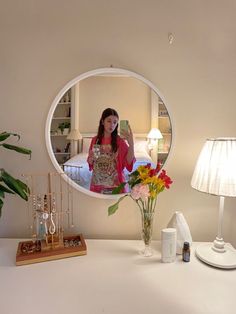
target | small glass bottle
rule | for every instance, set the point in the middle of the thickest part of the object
(186, 252)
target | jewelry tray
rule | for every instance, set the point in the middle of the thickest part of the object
(71, 246)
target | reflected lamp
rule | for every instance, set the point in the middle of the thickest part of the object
(215, 173)
(154, 135)
(74, 136)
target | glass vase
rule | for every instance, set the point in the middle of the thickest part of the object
(147, 215)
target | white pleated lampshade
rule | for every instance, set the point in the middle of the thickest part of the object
(155, 134)
(74, 135)
(215, 171)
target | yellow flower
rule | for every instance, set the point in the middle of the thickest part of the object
(153, 180)
(155, 184)
(143, 172)
(153, 194)
(158, 182)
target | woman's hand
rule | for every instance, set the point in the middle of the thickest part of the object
(91, 157)
(94, 153)
(128, 136)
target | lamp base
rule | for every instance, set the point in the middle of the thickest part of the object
(225, 260)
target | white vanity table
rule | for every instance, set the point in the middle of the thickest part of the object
(114, 279)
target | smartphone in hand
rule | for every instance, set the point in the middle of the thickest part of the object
(124, 126)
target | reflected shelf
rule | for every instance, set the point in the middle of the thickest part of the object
(166, 133)
(64, 103)
(163, 152)
(61, 118)
(58, 135)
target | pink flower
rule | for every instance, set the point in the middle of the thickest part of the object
(140, 191)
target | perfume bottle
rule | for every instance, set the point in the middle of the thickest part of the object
(186, 252)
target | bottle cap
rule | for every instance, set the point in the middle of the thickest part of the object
(186, 245)
(168, 233)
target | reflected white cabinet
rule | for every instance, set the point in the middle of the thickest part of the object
(160, 119)
(164, 126)
(60, 127)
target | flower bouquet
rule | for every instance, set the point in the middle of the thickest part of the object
(145, 184)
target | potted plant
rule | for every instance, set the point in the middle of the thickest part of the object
(9, 184)
(66, 128)
(64, 125)
(61, 126)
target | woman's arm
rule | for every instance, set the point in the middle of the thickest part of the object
(129, 137)
(91, 158)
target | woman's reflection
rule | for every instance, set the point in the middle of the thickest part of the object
(109, 154)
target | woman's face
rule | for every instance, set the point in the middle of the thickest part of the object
(110, 124)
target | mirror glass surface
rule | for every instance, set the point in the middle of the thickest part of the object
(75, 113)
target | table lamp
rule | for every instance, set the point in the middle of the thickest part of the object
(74, 136)
(153, 136)
(215, 173)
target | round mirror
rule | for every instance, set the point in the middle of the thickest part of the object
(75, 113)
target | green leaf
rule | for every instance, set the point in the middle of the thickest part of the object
(119, 188)
(133, 183)
(18, 149)
(22, 185)
(14, 185)
(113, 208)
(5, 189)
(1, 205)
(5, 135)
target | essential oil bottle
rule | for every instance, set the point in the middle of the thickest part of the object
(186, 252)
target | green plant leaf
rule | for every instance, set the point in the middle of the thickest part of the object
(18, 149)
(14, 185)
(23, 186)
(10, 184)
(133, 183)
(5, 135)
(113, 208)
(1, 205)
(119, 188)
(5, 189)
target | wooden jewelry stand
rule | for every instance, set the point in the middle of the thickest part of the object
(50, 200)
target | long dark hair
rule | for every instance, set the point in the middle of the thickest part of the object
(106, 113)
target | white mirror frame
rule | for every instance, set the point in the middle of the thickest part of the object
(85, 75)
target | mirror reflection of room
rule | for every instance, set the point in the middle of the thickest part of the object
(75, 122)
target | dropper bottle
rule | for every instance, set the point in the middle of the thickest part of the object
(186, 252)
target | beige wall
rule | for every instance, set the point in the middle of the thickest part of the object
(45, 44)
(128, 96)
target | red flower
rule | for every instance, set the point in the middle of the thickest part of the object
(167, 180)
(158, 167)
(154, 172)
